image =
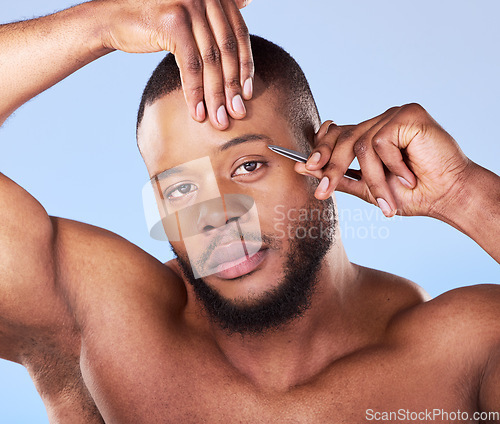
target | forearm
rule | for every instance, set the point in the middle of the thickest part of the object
(475, 210)
(36, 54)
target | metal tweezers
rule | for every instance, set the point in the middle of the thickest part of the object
(299, 157)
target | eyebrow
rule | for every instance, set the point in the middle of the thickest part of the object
(169, 172)
(227, 145)
(243, 139)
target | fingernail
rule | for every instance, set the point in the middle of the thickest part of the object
(314, 159)
(248, 89)
(384, 206)
(200, 111)
(328, 128)
(405, 182)
(222, 118)
(238, 105)
(323, 185)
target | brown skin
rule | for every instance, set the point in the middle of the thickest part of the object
(147, 354)
(109, 333)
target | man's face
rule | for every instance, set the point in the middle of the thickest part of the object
(237, 164)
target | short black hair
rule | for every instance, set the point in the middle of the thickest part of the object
(274, 66)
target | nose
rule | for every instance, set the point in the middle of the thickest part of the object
(218, 212)
(206, 216)
(212, 214)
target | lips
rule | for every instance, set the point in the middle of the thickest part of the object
(232, 261)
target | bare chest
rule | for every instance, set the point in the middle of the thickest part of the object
(195, 387)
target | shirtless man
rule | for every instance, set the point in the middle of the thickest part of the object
(295, 333)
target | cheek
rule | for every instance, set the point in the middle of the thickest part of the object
(281, 211)
(292, 182)
(290, 191)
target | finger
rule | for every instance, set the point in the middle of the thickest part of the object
(242, 3)
(341, 157)
(213, 86)
(228, 48)
(353, 174)
(245, 56)
(374, 175)
(300, 168)
(323, 130)
(323, 147)
(344, 152)
(323, 183)
(334, 150)
(190, 65)
(356, 188)
(385, 144)
(319, 193)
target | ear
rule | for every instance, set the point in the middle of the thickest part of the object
(242, 3)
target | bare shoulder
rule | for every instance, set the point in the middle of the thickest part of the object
(386, 294)
(470, 309)
(458, 329)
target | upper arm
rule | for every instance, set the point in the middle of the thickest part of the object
(57, 275)
(27, 296)
(100, 273)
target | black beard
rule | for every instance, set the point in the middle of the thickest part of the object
(291, 298)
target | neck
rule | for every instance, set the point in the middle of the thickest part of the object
(303, 348)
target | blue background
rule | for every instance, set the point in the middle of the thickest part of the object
(73, 147)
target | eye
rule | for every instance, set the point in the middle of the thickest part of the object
(247, 168)
(181, 191)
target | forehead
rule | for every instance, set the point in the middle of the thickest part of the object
(169, 137)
